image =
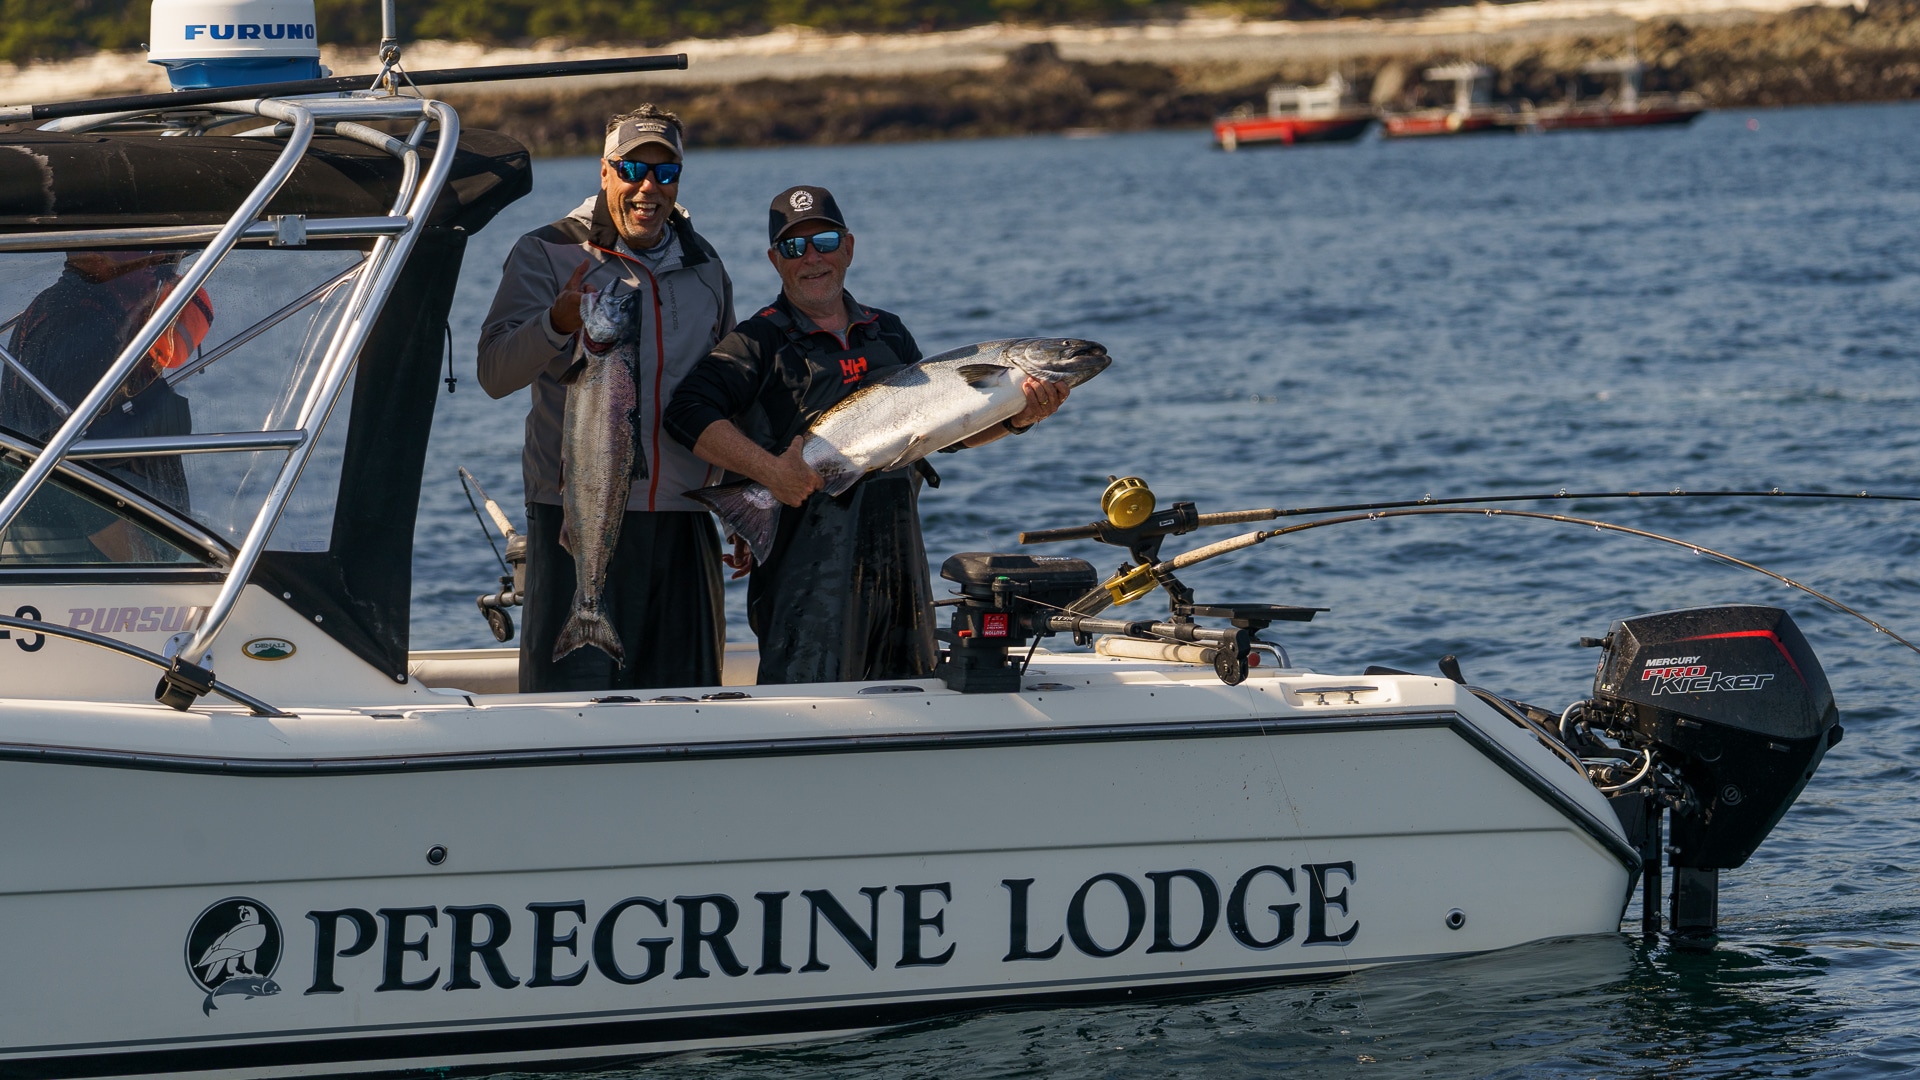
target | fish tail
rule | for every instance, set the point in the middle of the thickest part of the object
(206, 1007)
(588, 626)
(749, 511)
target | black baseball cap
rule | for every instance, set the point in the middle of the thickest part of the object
(799, 204)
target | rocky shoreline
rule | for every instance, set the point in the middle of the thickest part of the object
(1811, 55)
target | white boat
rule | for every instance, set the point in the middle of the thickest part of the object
(312, 851)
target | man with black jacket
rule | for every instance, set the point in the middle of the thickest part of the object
(845, 593)
(663, 581)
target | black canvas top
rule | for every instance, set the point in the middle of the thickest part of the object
(55, 180)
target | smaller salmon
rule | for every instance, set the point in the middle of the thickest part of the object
(600, 457)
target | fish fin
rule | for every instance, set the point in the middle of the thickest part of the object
(838, 475)
(639, 471)
(839, 483)
(573, 371)
(981, 376)
(588, 626)
(749, 511)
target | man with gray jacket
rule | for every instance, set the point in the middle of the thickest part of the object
(663, 581)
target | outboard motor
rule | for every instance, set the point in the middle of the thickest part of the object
(1732, 704)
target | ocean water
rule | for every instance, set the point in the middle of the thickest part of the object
(1732, 305)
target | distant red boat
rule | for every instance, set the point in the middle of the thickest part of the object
(1296, 114)
(1624, 106)
(1472, 111)
(1486, 121)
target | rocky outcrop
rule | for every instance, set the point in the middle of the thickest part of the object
(1806, 56)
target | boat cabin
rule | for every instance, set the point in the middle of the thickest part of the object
(192, 462)
(1472, 84)
(1309, 102)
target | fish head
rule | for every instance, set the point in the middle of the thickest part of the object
(267, 987)
(608, 317)
(1066, 360)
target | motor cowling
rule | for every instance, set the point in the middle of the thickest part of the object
(1732, 698)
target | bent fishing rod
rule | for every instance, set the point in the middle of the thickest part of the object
(1134, 522)
(1246, 540)
(1242, 517)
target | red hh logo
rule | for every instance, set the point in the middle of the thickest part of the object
(851, 370)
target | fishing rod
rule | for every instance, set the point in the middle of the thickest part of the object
(1132, 520)
(513, 583)
(1246, 540)
(178, 99)
(1242, 517)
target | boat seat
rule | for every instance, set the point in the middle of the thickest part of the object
(497, 671)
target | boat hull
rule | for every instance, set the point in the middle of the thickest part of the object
(1439, 122)
(1231, 133)
(597, 899)
(1600, 119)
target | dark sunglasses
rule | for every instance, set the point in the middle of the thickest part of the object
(633, 172)
(826, 243)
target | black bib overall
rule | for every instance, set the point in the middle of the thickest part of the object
(845, 594)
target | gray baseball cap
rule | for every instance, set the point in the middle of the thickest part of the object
(632, 134)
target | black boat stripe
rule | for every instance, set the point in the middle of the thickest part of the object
(983, 991)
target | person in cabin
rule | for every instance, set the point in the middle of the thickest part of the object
(65, 339)
(845, 593)
(663, 582)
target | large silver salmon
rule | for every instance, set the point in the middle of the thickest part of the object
(600, 457)
(907, 415)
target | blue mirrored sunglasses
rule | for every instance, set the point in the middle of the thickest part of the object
(825, 243)
(633, 172)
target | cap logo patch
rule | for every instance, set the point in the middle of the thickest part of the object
(802, 201)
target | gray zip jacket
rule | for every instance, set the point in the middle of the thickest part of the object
(687, 308)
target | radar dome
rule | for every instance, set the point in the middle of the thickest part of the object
(209, 43)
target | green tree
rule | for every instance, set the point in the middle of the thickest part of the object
(51, 29)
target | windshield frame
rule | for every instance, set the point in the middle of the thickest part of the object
(183, 532)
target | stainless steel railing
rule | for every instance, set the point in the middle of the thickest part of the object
(373, 280)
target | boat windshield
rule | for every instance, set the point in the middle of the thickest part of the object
(66, 527)
(242, 357)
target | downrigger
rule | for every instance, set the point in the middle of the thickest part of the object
(1008, 601)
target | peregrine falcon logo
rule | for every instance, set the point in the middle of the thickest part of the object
(232, 949)
(802, 201)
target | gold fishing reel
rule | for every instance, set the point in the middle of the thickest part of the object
(1130, 585)
(1128, 502)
